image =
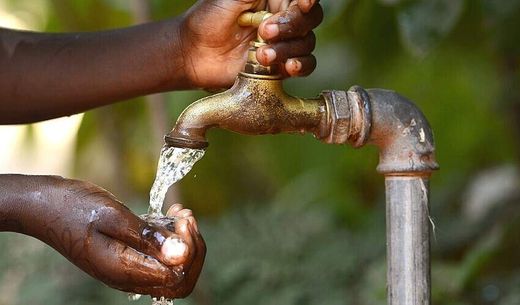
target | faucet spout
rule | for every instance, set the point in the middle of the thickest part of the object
(253, 106)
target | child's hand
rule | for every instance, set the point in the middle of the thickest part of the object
(93, 230)
(172, 254)
(214, 46)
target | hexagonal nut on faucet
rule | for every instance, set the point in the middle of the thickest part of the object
(338, 116)
(349, 116)
(361, 112)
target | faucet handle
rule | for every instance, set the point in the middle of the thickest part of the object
(253, 19)
(253, 67)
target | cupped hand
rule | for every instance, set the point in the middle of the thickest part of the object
(97, 233)
(215, 47)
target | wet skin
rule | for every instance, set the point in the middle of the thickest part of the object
(46, 75)
(93, 230)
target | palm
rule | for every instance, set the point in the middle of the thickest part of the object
(214, 46)
(217, 45)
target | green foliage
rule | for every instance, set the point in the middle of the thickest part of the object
(321, 238)
(424, 23)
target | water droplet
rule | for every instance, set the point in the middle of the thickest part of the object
(133, 297)
(161, 301)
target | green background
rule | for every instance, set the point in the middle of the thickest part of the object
(289, 220)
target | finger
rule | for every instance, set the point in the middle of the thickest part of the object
(179, 213)
(194, 270)
(131, 230)
(306, 5)
(301, 66)
(291, 23)
(281, 51)
(176, 207)
(185, 213)
(193, 222)
(183, 231)
(126, 269)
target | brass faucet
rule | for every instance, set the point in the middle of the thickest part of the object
(256, 104)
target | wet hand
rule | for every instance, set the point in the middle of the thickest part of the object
(215, 47)
(150, 259)
(97, 233)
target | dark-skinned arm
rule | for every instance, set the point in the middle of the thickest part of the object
(44, 76)
(93, 230)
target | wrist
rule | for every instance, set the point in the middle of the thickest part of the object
(23, 198)
(176, 58)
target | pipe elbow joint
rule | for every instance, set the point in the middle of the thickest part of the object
(387, 120)
(403, 134)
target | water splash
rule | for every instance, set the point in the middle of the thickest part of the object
(155, 301)
(174, 164)
(161, 301)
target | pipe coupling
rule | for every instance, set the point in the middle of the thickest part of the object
(349, 116)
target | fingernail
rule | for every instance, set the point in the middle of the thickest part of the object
(271, 30)
(296, 65)
(269, 55)
(186, 213)
(293, 67)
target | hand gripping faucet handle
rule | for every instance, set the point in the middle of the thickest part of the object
(253, 67)
(253, 19)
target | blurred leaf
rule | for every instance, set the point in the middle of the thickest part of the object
(333, 9)
(424, 23)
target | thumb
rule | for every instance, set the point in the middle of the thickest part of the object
(153, 239)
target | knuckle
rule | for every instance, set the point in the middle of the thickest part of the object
(310, 41)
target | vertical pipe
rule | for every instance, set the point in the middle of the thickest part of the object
(408, 240)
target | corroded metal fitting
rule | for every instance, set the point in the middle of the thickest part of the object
(349, 116)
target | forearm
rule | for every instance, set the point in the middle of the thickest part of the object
(44, 76)
(24, 202)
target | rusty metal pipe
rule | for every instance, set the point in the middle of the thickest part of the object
(402, 133)
(408, 240)
(253, 106)
(407, 158)
(387, 120)
(258, 105)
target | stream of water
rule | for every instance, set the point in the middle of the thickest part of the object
(174, 164)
